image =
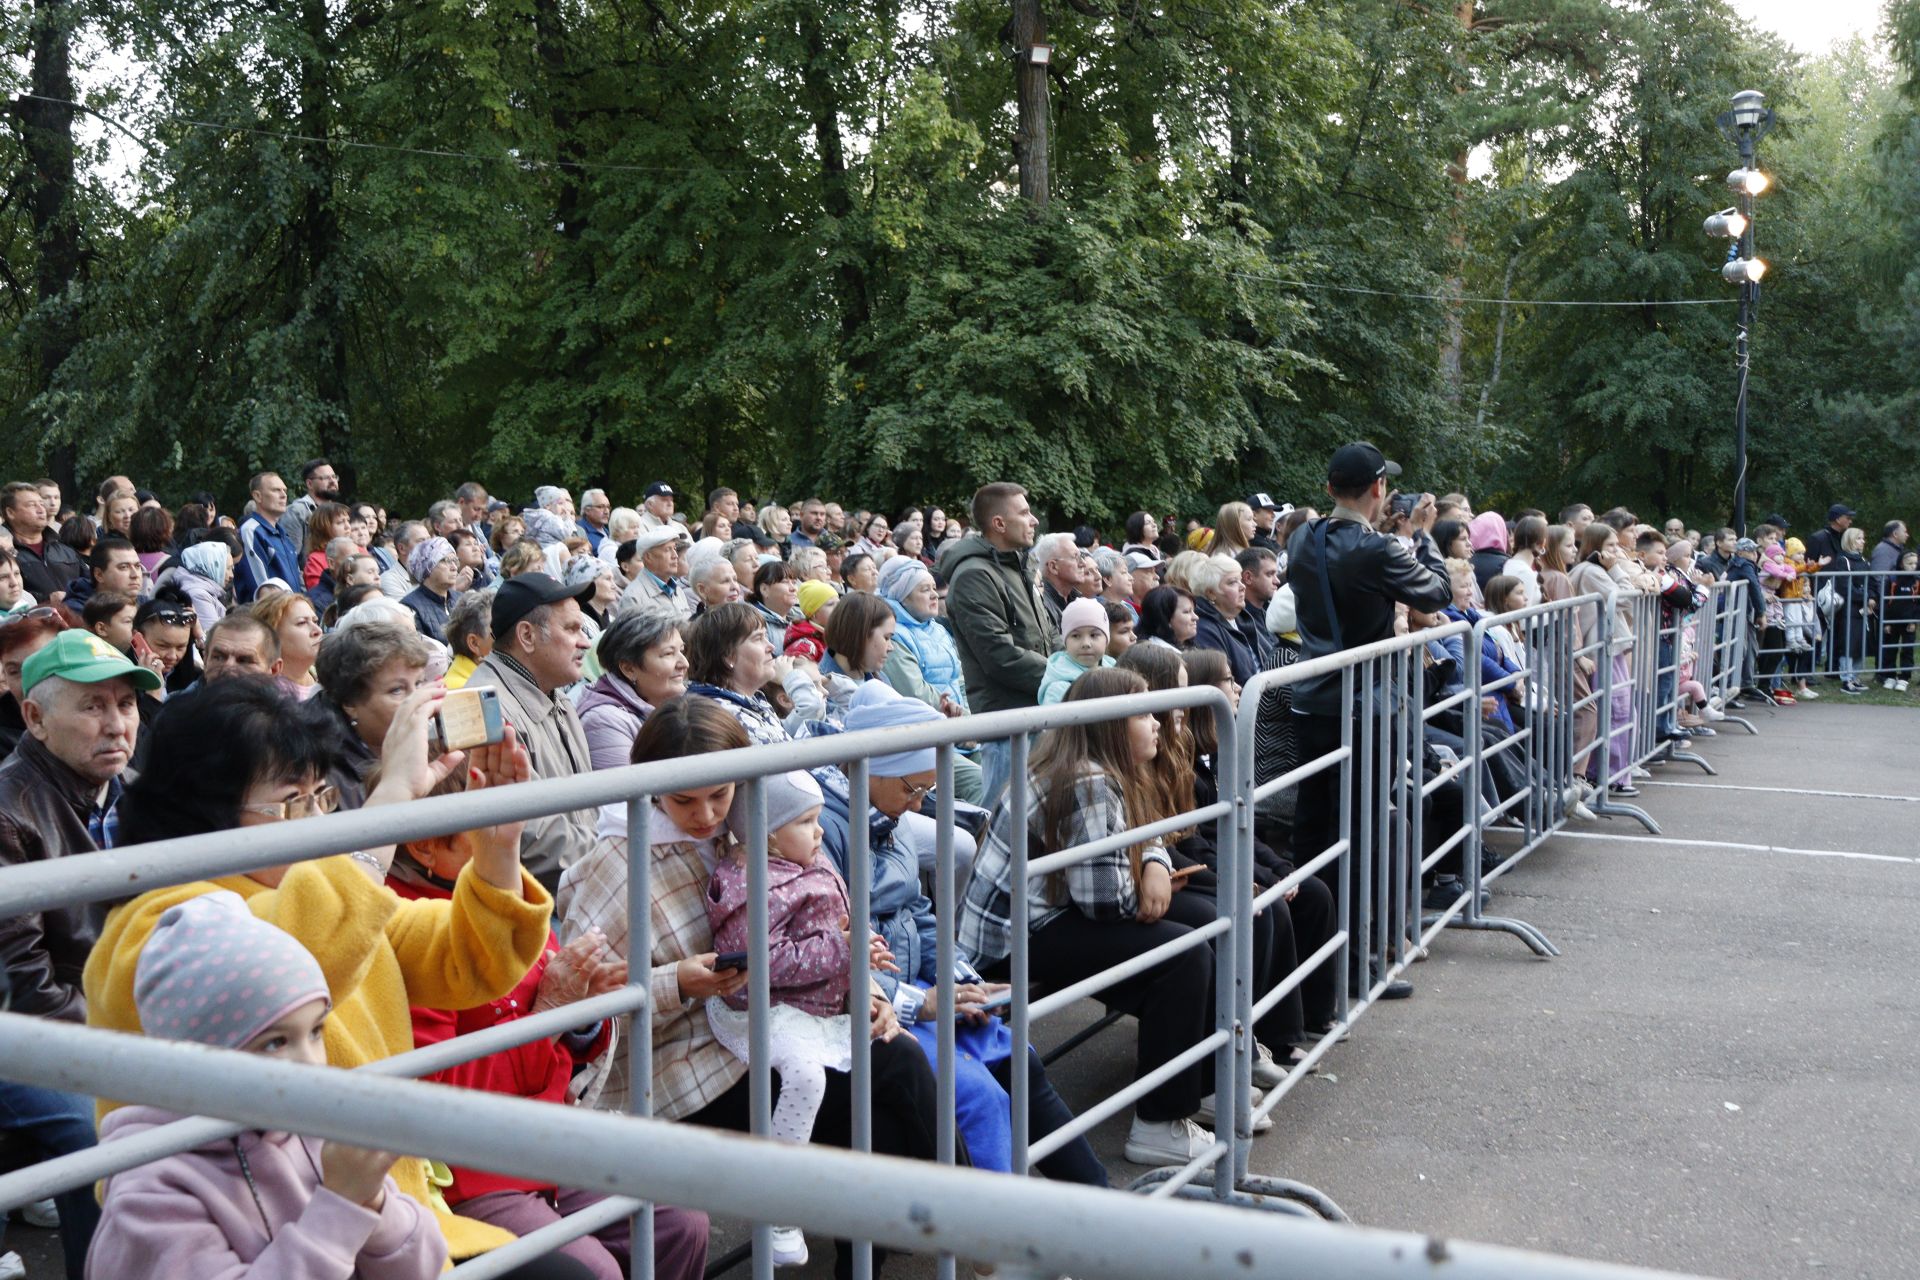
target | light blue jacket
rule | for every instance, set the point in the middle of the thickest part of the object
(924, 651)
(1062, 671)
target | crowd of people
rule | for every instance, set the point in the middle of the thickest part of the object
(176, 673)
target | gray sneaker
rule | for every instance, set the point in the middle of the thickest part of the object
(1166, 1142)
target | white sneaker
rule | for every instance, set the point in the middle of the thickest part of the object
(1888, 683)
(1164, 1142)
(1206, 1113)
(11, 1267)
(1807, 695)
(42, 1214)
(1266, 1071)
(1580, 811)
(789, 1247)
(1712, 712)
(1901, 685)
(1639, 772)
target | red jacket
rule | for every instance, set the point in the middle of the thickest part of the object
(540, 1069)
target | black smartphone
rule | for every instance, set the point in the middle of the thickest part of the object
(729, 960)
(1403, 503)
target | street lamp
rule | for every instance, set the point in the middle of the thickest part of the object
(1744, 125)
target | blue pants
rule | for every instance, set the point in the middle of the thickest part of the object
(58, 1124)
(1666, 686)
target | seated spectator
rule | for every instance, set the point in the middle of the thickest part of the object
(296, 628)
(1084, 632)
(859, 638)
(662, 550)
(694, 1078)
(236, 756)
(1491, 542)
(1091, 782)
(398, 580)
(112, 565)
(643, 658)
(436, 568)
(327, 521)
(14, 599)
(57, 794)
(429, 871)
(714, 581)
(241, 645)
(476, 573)
(165, 627)
(366, 675)
(1167, 616)
(523, 557)
(469, 635)
(903, 916)
(775, 595)
(538, 643)
(109, 615)
(1120, 623)
(205, 1211)
(807, 634)
(859, 572)
(924, 662)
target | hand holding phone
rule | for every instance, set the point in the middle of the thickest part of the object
(735, 960)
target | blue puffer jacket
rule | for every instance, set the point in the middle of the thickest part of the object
(902, 914)
(932, 647)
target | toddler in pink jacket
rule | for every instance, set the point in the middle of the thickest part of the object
(260, 1206)
(807, 961)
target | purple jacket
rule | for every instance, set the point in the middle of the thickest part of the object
(807, 961)
(611, 713)
(192, 1215)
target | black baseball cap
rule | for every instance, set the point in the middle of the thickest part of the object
(1838, 510)
(1355, 466)
(517, 597)
(659, 489)
(1263, 502)
(1777, 520)
(754, 532)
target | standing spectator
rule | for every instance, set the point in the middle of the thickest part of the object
(319, 483)
(205, 571)
(112, 565)
(538, 643)
(268, 548)
(1060, 579)
(999, 625)
(1346, 581)
(47, 564)
(296, 628)
(57, 794)
(1529, 544)
(813, 523)
(1220, 601)
(1233, 530)
(1491, 546)
(473, 502)
(1853, 579)
(24, 635)
(1824, 546)
(152, 537)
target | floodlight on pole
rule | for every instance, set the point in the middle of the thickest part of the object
(1728, 224)
(1744, 271)
(1749, 120)
(1749, 182)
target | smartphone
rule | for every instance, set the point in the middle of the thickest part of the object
(469, 718)
(729, 960)
(1403, 503)
(1000, 1001)
(1184, 872)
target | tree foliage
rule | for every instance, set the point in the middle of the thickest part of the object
(782, 244)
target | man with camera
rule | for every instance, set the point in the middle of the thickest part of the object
(1346, 580)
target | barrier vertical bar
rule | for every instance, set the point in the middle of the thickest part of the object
(1473, 801)
(759, 1070)
(860, 898)
(1019, 971)
(1363, 854)
(1344, 981)
(640, 1229)
(1233, 1000)
(944, 918)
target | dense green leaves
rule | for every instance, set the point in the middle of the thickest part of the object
(780, 244)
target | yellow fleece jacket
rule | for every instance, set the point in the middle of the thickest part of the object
(379, 954)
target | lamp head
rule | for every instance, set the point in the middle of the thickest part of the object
(1748, 106)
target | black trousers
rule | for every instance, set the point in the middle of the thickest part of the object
(905, 1104)
(1316, 824)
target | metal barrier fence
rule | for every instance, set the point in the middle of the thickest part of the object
(1838, 622)
(1373, 792)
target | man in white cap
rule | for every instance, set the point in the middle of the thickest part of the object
(661, 581)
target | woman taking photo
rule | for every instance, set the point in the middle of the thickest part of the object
(228, 757)
(643, 656)
(695, 1079)
(1092, 782)
(367, 672)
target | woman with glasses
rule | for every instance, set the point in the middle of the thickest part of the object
(236, 754)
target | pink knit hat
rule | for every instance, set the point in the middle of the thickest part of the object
(1488, 532)
(214, 973)
(1085, 612)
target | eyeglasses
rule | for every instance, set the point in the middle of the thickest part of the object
(38, 611)
(325, 800)
(916, 794)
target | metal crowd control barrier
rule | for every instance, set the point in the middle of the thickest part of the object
(1723, 645)
(1870, 630)
(912, 1205)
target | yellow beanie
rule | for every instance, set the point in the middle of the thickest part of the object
(813, 594)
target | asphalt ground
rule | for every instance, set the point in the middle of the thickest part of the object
(1718, 1074)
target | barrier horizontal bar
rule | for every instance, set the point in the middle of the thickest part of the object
(1300, 773)
(1297, 876)
(1125, 839)
(1199, 1165)
(122, 873)
(1431, 860)
(906, 1204)
(1097, 1115)
(82, 1168)
(542, 1241)
(1264, 1005)
(1055, 1001)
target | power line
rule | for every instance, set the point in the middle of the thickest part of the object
(1500, 302)
(437, 153)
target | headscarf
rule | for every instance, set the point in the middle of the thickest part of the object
(546, 495)
(900, 577)
(544, 527)
(425, 555)
(1488, 532)
(582, 570)
(210, 559)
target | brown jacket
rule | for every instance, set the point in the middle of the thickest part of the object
(44, 807)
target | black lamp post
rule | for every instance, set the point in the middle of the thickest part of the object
(1747, 123)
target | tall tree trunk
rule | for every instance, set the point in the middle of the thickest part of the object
(319, 236)
(1031, 139)
(1454, 338)
(48, 133)
(836, 199)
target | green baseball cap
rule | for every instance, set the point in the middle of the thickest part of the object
(84, 658)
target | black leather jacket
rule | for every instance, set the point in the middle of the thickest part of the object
(44, 807)
(1365, 574)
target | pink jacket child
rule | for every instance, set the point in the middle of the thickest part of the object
(807, 960)
(252, 1207)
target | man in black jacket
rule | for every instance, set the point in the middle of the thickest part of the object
(1347, 580)
(47, 564)
(1825, 545)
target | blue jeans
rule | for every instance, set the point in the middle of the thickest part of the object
(996, 767)
(1665, 690)
(58, 1124)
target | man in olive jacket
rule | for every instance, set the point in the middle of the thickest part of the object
(999, 626)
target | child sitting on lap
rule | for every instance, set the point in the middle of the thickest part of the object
(1086, 634)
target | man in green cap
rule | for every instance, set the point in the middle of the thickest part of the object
(79, 696)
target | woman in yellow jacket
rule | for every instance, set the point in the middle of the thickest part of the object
(235, 755)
